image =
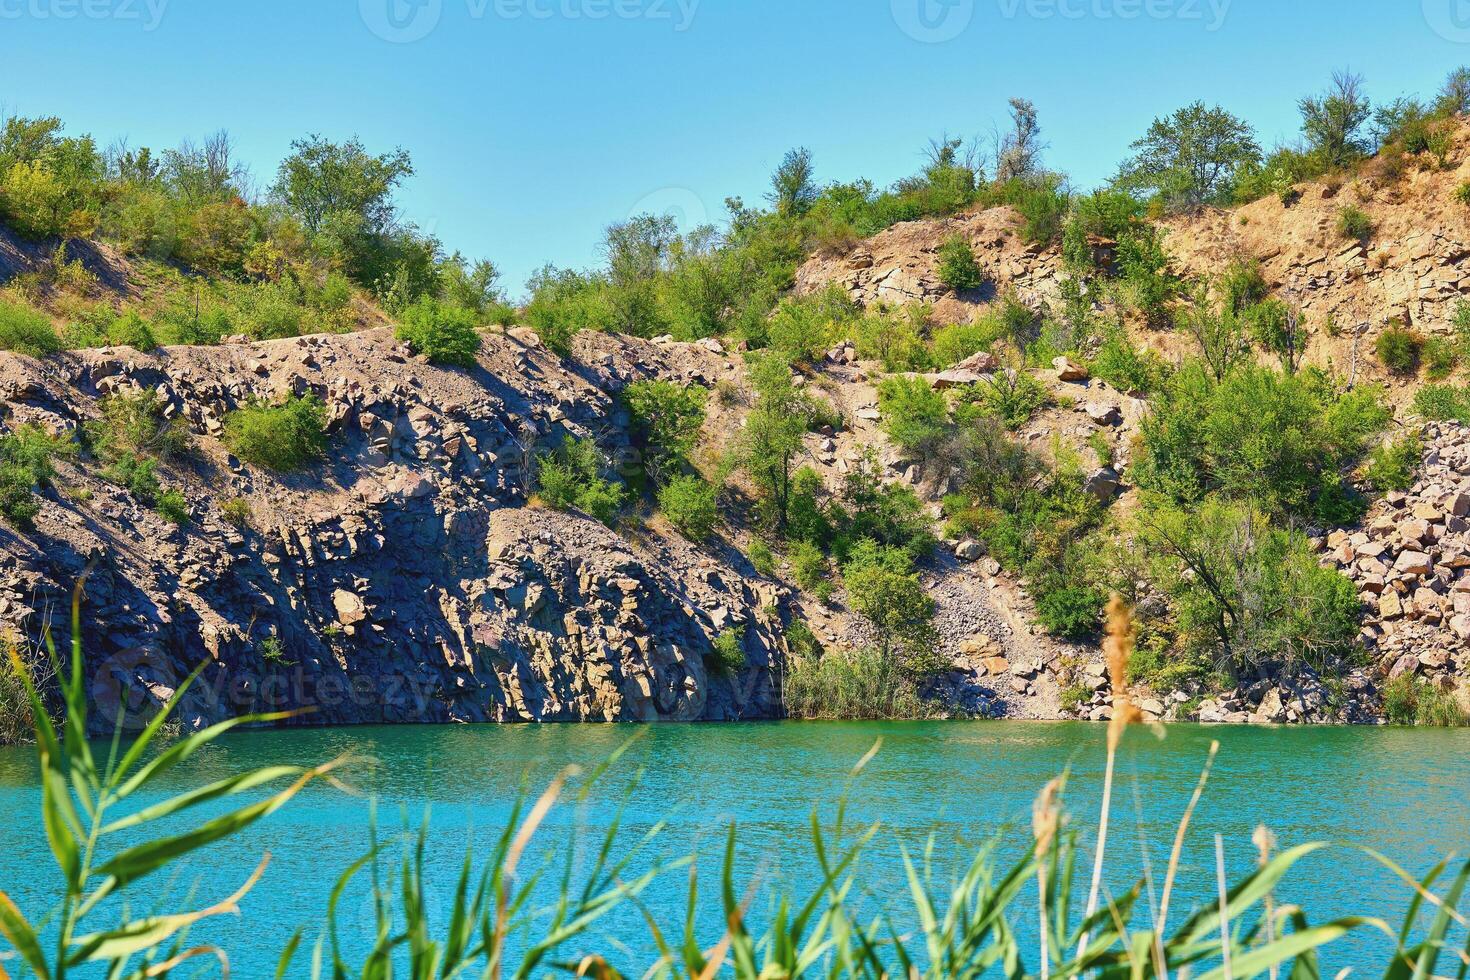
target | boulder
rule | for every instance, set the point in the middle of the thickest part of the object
(1103, 414)
(1068, 370)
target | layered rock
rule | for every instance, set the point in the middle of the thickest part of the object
(405, 576)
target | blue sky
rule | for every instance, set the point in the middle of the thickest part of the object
(534, 123)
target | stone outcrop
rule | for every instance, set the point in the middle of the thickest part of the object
(406, 576)
(1410, 559)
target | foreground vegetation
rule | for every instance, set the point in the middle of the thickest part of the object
(1021, 919)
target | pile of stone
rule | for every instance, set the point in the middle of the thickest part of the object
(1410, 560)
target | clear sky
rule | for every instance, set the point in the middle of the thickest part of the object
(534, 123)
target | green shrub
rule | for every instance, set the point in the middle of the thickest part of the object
(1125, 367)
(1399, 350)
(237, 511)
(1075, 697)
(444, 334)
(172, 506)
(136, 474)
(136, 423)
(27, 461)
(915, 416)
(1443, 403)
(1245, 593)
(1073, 612)
(689, 504)
(761, 558)
(571, 476)
(727, 652)
(956, 341)
(666, 419)
(1285, 442)
(803, 327)
(1441, 357)
(884, 589)
(1462, 194)
(27, 331)
(808, 564)
(893, 337)
(957, 266)
(131, 330)
(1011, 397)
(1394, 465)
(1354, 224)
(278, 437)
(1242, 286)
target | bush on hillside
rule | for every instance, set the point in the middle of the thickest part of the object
(571, 477)
(957, 266)
(894, 337)
(1407, 700)
(1394, 464)
(1399, 350)
(27, 461)
(1011, 397)
(1354, 224)
(1443, 403)
(1285, 442)
(444, 334)
(1244, 592)
(27, 331)
(278, 437)
(915, 416)
(689, 503)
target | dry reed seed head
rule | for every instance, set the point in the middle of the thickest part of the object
(1045, 813)
(1265, 842)
(1118, 648)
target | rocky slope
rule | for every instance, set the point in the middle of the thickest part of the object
(404, 578)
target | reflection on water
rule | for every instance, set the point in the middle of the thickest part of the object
(1401, 791)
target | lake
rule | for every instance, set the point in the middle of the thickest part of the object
(1404, 792)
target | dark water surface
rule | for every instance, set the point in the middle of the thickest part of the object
(1404, 792)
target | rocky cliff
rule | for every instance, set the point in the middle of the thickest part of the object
(405, 577)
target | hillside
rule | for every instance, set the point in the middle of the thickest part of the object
(870, 494)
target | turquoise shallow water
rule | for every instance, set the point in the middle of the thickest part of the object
(1405, 792)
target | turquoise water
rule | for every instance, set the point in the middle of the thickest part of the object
(1404, 792)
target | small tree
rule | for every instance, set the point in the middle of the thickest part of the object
(1018, 152)
(1333, 121)
(1221, 341)
(914, 415)
(885, 590)
(1190, 159)
(773, 433)
(571, 476)
(667, 418)
(793, 189)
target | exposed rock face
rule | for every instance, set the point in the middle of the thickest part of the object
(1410, 559)
(404, 577)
